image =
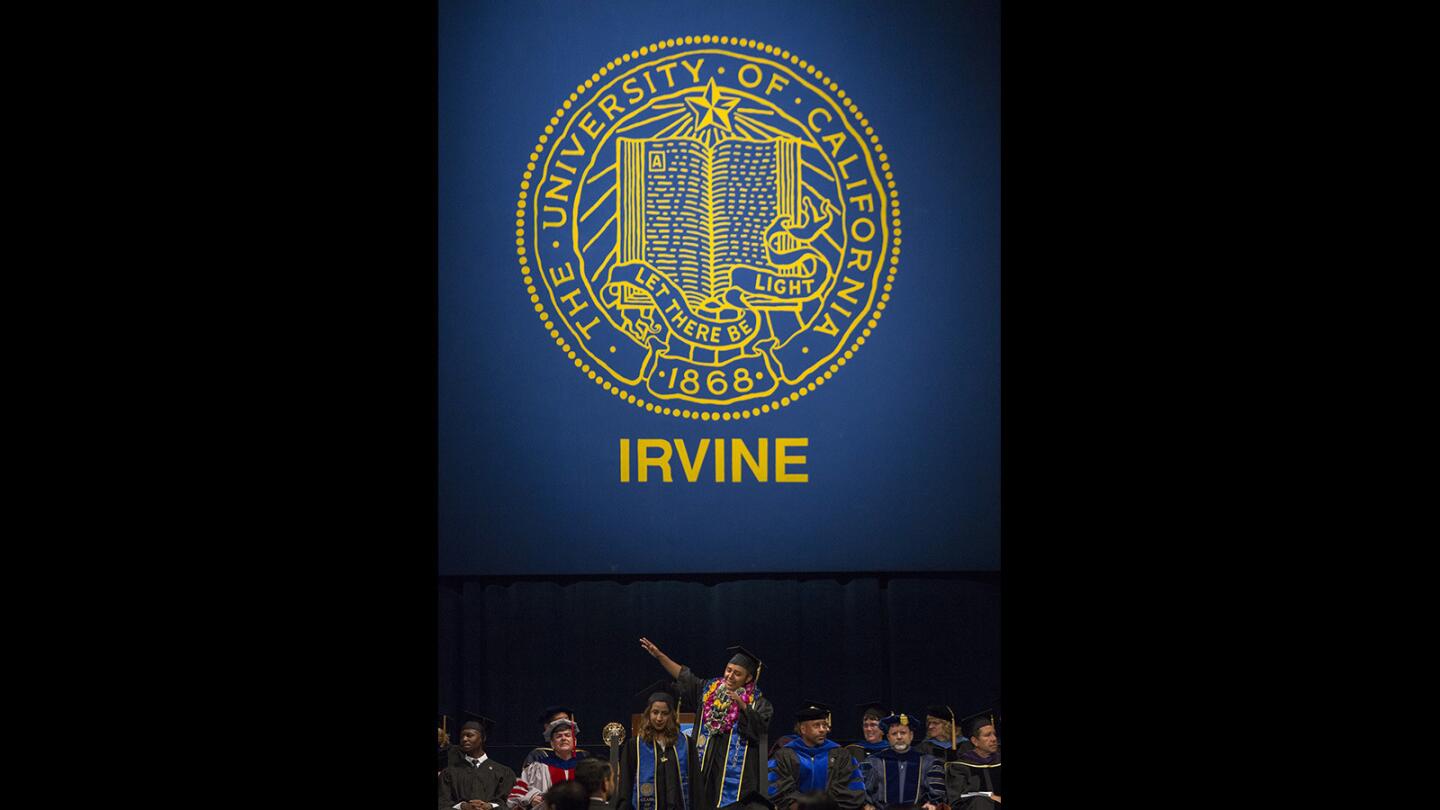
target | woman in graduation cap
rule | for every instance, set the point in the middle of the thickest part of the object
(657, 766)
(730, 730)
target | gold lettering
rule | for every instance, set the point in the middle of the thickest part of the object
(692, 470)
(559, 276)
(646, 462)
(578, 151)
(851, 285)
(741, 76)
(553, 193)
(625, 461)
(590, 125)
(585, 330)
(865, 202)
(855, 229)
(549, 209)
(834, 140)
(782, 461)
(694, 71)
(611, 108)
(844, 172)
(811, 119)
(860, 259)
(569, 298)
(777, 82)
(828, 328)
(739, 452)
(631, 88)
(669, 80)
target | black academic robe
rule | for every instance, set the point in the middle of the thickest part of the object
(842, 780)
(462, 782)
(752, 726)
(667, 775)
(970, 773)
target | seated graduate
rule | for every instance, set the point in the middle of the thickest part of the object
(872, 737)
(813, 763)
(972, 780)
(471, 780)
(731, 728)
(658, 766)
(902, 776)
(548, 716)
(598, 780)
(551, 768)
(939, 733)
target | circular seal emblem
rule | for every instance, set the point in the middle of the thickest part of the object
(613, 733)
(708, 228)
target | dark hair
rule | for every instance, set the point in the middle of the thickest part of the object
(591, 774)
(672, 729)
(567, 796)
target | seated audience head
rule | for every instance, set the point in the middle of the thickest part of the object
(595, 777)
(870, 730)
(813, 723)
(567, 796)
(561, 735)
(980, 728)
(940, 724)
(473, 734)
(899, 731)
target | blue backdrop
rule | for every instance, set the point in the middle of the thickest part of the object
(903, 449)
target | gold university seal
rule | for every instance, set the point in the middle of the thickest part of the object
(708, 228)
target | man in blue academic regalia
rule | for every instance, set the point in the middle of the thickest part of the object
(813, 763)
(903, 776)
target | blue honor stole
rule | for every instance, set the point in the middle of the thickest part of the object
(643, 795)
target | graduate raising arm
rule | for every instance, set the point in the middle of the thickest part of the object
(670, 666)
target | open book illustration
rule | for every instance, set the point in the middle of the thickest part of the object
(693, 211)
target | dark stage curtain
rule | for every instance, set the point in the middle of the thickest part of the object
(508, 648)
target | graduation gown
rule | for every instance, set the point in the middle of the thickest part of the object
(971, 773)
(732, 763)
(893, 779)
(798, 768)
(668, 782)
(461, 781)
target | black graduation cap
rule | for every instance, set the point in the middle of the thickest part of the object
(479, 721)
(551, 711)
(874, 707)
(813, 710)
(660, 690)
(973, 723)
(897, 719)
(743, 657)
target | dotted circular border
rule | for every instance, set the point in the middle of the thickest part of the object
(696, 413)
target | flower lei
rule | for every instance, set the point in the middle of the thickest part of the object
(719, 710)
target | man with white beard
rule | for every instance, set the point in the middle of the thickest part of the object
(903, 776)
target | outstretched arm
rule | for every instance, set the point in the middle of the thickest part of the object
(669, 665)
